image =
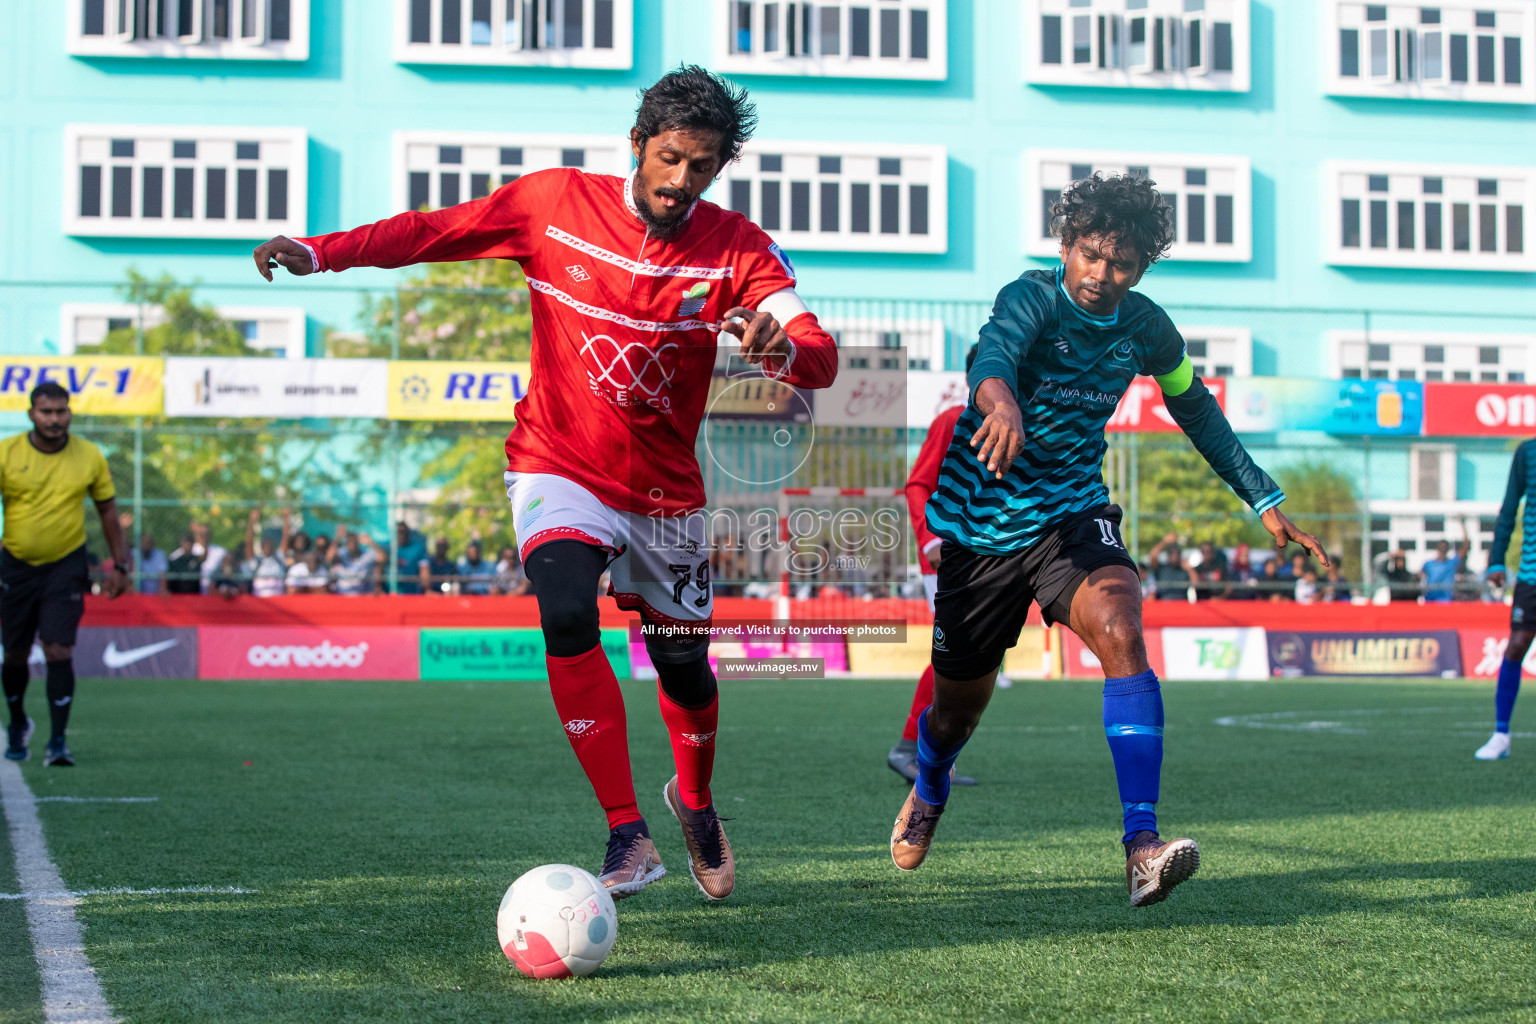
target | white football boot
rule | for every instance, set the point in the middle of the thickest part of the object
(1497, 747)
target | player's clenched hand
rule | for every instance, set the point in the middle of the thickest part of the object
(285, 253)
(1284, 531)
(1496, 579)
(1001, 438)
(761, 335)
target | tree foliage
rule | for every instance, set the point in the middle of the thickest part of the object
(1323, 500)
(1178, 493)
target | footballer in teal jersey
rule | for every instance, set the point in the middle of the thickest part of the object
(1522, 613)
(1025, 517)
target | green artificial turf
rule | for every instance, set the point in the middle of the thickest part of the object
(1358, 864)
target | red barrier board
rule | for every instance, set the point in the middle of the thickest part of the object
(1483, 649)
(1078, 662)
(308, 652)
(1479, 410)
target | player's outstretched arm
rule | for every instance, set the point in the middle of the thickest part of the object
(1504, 528)
(1000, 439)
(1284, 531)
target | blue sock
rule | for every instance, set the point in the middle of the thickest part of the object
(1504, 696)
(1133, 723)
(933, 764)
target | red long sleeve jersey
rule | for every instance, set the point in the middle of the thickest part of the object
(624, 325)
(924, 478)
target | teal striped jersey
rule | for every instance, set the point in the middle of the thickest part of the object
(1068, 371)
(1522, 480)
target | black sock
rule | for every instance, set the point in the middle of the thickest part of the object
(634, 828)
(14, 676)
(61, 694)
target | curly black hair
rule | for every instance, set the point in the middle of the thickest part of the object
(691, 99)
(1126, 206)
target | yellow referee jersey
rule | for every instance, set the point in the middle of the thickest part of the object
(44, 495)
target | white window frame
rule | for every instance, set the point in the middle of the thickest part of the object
(769, 47)
(921, 165)
(517, 41)
(151, 28)
(290, 320)
(1113, 63)
(481, 154)
(1407, 46)
(1459, 184)
(920, 340)
(1236, 342)
(216, 147)
(1042, 170)
(1407, 359)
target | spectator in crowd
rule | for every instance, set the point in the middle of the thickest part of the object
(1439, 574)
(1402, 585)
(1213, 578)
(438, 573)
(510, 578)
(1337, 586)
(323, 548)
(1306, 587)
(298, 544)
(267, 571)
(1297, 567)
(1272, 586)
(355, 563)
(153, 565)
(476, 575)
(184, 568)
(308, 575)
(212, 555)
(233, 578)
(410, 549)
(1244, 580)
(1468, 586)
(1170, 578)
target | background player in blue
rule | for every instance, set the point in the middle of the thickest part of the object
(1024, 514)
(1522, 615)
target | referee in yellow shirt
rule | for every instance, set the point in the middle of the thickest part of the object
(44, 477)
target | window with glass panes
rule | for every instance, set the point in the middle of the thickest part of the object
(842, 196)
(1210, 198)
(279, 330)
(844, 38)
(564, 33)
(1219, 351)
(437, 169)
(1138, 44)
(1422, 215)
(141, 181)
(888, 343)
(1433, 356)
(1456, 50)
(205, 29)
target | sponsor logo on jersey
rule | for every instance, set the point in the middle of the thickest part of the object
(578, 272)
(783, 258)
(938, 638)
(698, 739)
(1125, 351)
(324, 655)
(580, 726)
(114, 658)
(693, 300)
(630, 373)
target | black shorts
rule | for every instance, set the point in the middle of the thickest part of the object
(1522, 614)
(983, 600)
(42, 601)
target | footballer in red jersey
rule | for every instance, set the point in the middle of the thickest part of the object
(631, 281)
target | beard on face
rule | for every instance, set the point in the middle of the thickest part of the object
(660, 227)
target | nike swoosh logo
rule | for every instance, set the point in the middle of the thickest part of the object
(62, 702)
(114, 658)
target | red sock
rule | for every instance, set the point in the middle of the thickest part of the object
(692, 731)
(591, 707)
(920, 700)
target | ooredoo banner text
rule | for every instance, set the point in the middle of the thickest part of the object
(307, 652)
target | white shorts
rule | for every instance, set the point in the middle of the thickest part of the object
(930, 587)
(659, 566)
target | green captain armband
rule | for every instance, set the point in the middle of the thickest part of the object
(1177, 381)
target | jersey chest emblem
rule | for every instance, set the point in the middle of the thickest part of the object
(630, 373)
(578, 273)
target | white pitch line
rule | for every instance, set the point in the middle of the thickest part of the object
(71, 992)
(94, 800)
(80, 893)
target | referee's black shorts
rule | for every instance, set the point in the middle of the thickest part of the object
(983, 600)
(42, 601)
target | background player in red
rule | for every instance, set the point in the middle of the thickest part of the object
(921, 482)
(631, 279)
